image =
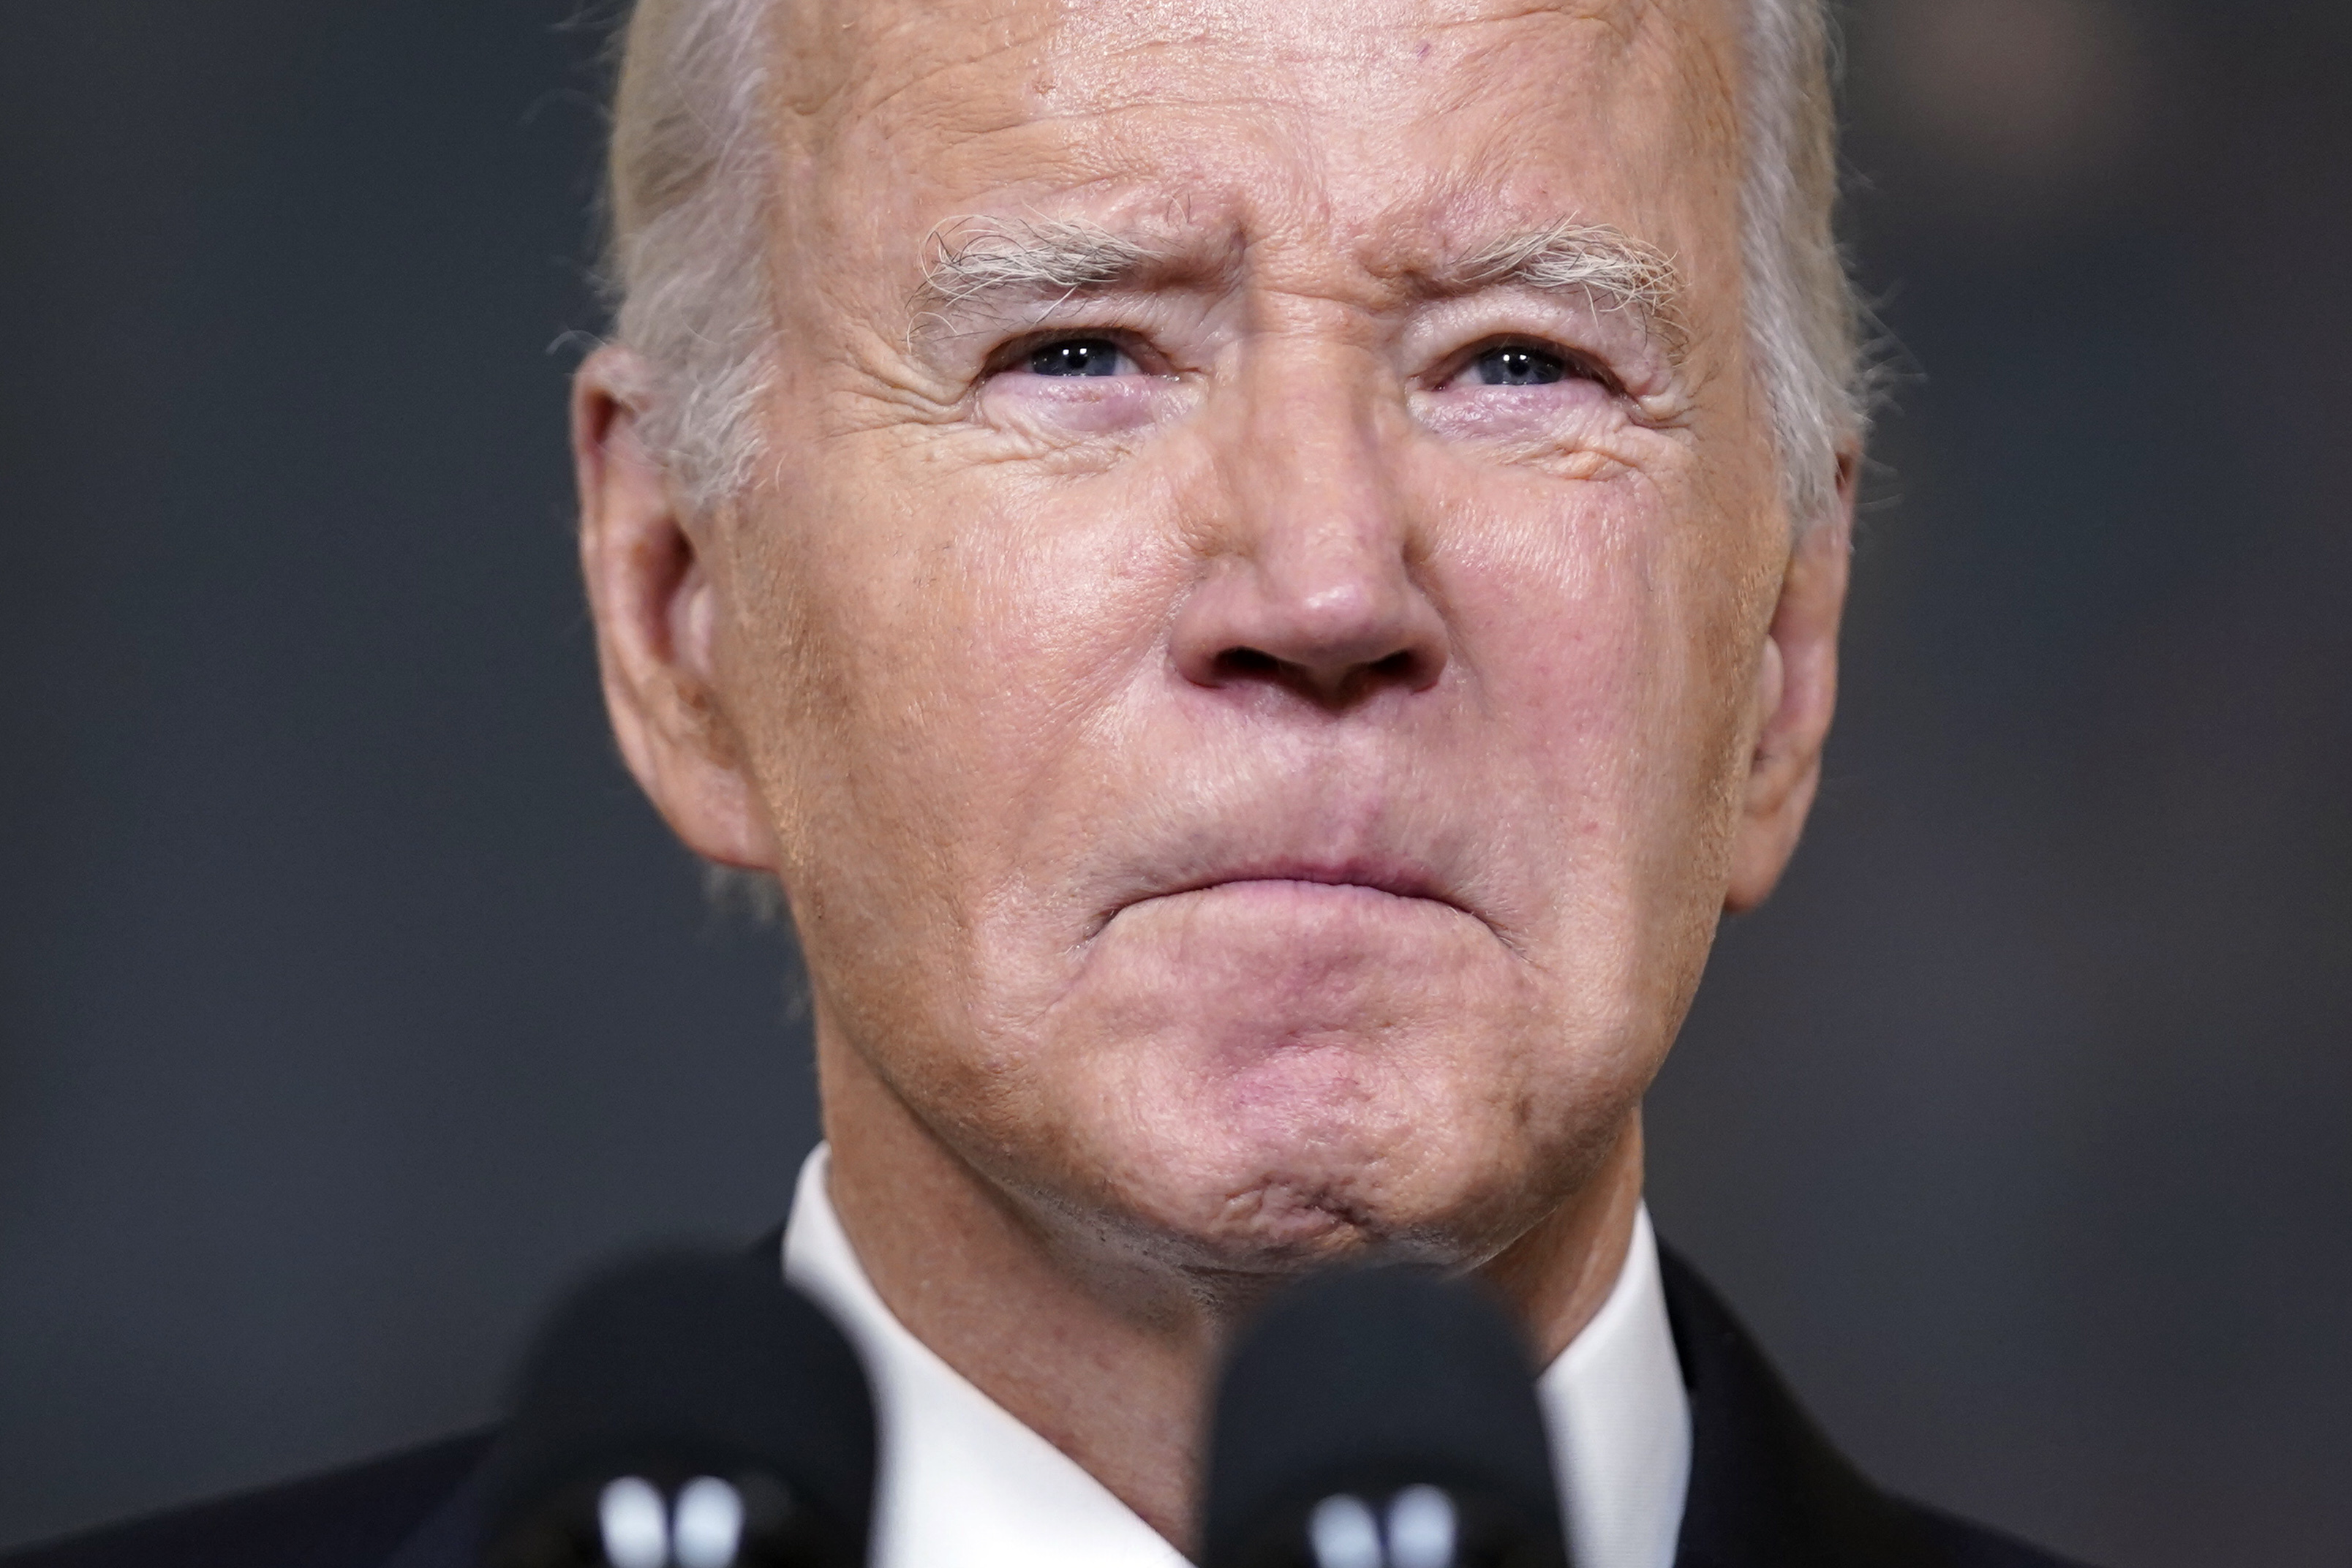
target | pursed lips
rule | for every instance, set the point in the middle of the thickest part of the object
(1394, 878)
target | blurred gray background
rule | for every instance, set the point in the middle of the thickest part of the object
(350, 998)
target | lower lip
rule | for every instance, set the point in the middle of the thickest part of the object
(1267, 914)
(1301, 889)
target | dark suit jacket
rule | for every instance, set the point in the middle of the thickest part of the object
(1767, 1490)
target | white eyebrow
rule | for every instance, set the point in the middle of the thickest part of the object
(1618, 271)
(969, 258)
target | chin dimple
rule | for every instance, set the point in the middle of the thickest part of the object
(1290, 1212)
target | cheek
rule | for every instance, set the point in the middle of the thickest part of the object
(1599, 626)
(925, 659)
(1566, 619)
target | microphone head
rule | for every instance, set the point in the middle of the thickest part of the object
(685, 1410)
(1380, 1418)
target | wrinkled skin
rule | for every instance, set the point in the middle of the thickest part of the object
(1272, 800)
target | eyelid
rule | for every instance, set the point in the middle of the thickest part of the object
(1580, 362)
(1618, 353)
(1011, 354)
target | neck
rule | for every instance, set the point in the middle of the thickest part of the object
(1107, 1356)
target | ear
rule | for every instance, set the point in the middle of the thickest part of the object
(657, 624)
(1796, 692)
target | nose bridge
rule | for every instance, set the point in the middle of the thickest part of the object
(1318, 517)
(1312, 581)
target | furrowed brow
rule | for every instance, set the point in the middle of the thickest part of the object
(971, 261)
(1619, 273)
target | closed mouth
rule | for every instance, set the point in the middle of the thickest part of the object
(1395, 880)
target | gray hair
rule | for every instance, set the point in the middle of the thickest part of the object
(692, 204)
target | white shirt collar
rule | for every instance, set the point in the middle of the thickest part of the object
(965, 1484)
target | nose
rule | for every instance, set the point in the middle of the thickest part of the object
(1313, 581)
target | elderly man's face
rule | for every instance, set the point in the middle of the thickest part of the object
(1250, 655)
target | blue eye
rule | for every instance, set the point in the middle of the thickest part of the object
(1077, 356)
(1515, 364)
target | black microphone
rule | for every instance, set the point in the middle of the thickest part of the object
(685, 1411)
(1380, 1418)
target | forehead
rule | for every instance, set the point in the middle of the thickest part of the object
(1395, 125)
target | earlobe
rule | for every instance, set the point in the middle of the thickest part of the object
(656, 606)
(1796, 695)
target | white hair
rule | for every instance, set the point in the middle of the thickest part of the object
(692, 201)
(689, 196)
(1804, 313)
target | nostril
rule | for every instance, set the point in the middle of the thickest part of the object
(1245, 663)
(1249, 666)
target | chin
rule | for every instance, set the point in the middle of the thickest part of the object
(1300, 1080)
(1255, 1182)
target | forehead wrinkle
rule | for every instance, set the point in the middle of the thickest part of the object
(966, 261)
(848, 60)
(1625, 21)
(1634, 36)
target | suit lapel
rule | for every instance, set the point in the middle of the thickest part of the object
(1766, 1490)
(450, 1536)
